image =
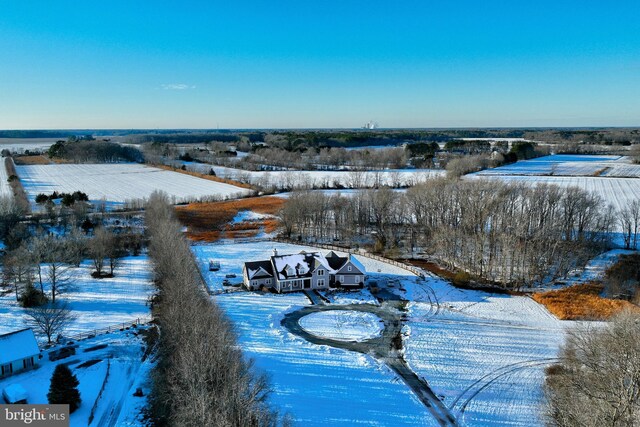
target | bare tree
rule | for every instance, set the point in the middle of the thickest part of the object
(100, 247)
(49, 319)
(55, 258)
(597, 382)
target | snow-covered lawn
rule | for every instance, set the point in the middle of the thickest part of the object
(116, 183)
(317, 385)
(343, 325)
(119, 366)
(488, 350)
(484, 354)
(96, 303)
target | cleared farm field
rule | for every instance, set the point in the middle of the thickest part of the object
(118, 183)
(570, 165)
(5, 188)
(618, 192)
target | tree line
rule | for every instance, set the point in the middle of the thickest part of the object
(506, 233)
(201, 377)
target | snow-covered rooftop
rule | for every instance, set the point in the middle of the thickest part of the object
(15, 393)
(17, 345)
(299, 264)
(357, 264)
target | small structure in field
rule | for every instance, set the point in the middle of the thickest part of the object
(14, 394)
(302, 271)
(19, 351)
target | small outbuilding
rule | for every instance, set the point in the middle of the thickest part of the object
(14, 393)
(19, 352)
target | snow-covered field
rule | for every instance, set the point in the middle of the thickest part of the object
(488, 350)
(343, 325)
(484, 354)
(118, 368)
(317, 385)
(119, 182)
(5, 188)
(614, 178)
(19, 146)
(618, 192)
(570, 165)
(95, 303)
(322, 179)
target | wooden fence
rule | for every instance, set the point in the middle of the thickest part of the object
(109, 329)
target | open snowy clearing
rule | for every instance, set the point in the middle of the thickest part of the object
(96, 303)
(106, 387)
(5, 188)
(570, 165)
(119, 182)
(321, 179)
(487, 351)
(343, 325)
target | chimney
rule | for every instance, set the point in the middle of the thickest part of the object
(275, 252)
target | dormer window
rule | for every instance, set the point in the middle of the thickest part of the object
(290, 270)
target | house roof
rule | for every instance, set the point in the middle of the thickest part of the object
(17, 346)
(335, 261)
(357, 264)
(300, 265)
(258, 269)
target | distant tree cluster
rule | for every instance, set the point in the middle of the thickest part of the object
(86, 151)
(67, 199)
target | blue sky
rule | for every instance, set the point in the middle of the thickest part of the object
(275, 64)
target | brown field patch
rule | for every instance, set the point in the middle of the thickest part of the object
(581, 302)
(205, 176)
(32, 160)
(211, 221)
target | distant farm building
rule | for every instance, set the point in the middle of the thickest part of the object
(305, 270)
(19, 351)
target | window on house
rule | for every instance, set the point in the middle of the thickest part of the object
(268, 281)
(349, 268)
(7, 369)
(341, 279)
(321, 272)
(254, 283)
(357, 279)
(321, 283)
(27, 363)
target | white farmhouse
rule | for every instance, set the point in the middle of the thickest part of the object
(19, 351)
(305, 270)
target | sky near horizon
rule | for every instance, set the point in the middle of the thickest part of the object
(303, 64)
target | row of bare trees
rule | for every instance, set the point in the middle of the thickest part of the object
(507, 233)
(201, 378)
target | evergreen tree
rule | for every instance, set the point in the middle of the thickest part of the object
(64, 388)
